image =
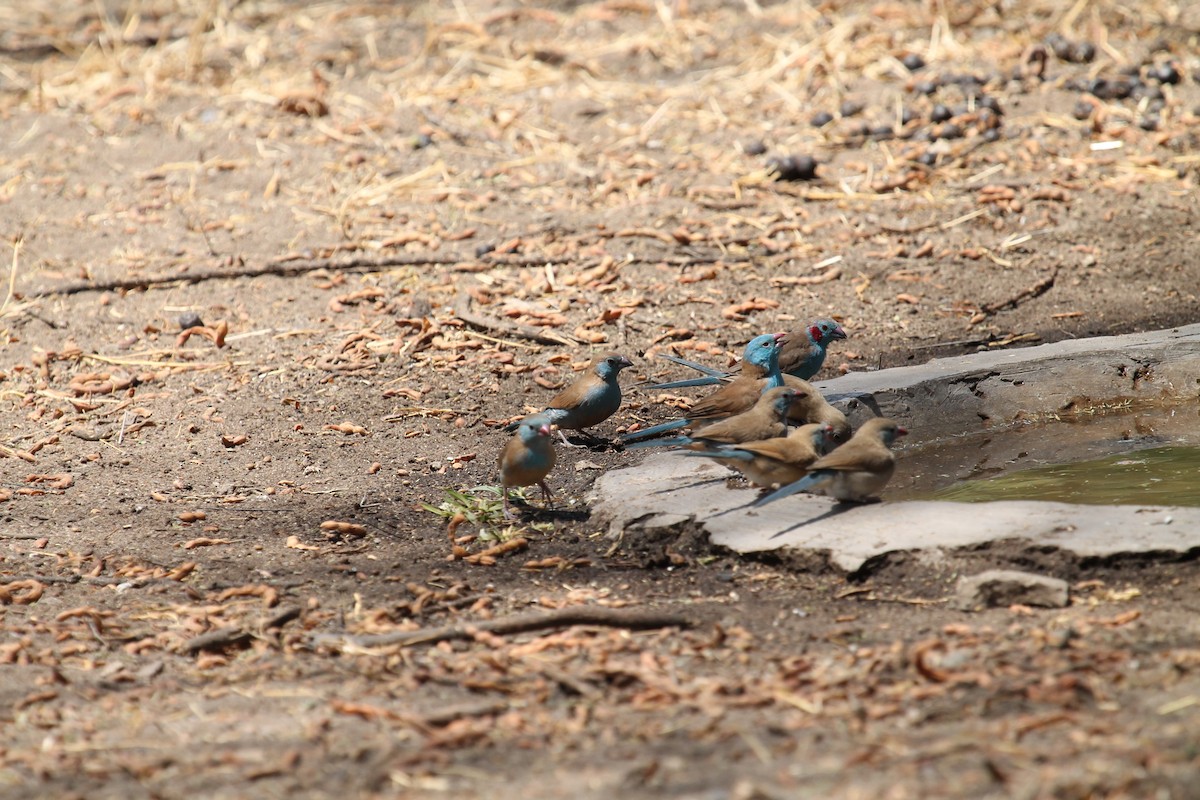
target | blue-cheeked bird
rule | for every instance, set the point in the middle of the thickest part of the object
(777, 461)
(857, 471)
(527, 458)
(592, 398)
(802, 354)
(766, 419)
(761, 358)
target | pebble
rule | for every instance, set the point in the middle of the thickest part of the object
(1002, 587)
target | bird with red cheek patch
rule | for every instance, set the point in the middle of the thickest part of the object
(801, 355)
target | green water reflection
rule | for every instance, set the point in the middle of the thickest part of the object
(1159, 476)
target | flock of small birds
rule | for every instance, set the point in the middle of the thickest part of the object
(765, 421)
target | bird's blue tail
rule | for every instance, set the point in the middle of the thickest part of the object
(683, 362)
(674, 441)
(722, 452)
(795, 486)
(655, 430)
(707, 380)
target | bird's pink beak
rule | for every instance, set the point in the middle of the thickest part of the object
(779, 336)
(544, 430)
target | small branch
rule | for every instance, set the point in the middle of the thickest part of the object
(462, 310)
(519, 623)
(292, 267)
(221, 637)
(1036, 290)
(280, 268)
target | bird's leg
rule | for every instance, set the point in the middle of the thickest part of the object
(546, 492)
(567, 442)
(508, 512)
(591, 437)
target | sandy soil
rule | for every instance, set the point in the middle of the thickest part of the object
(403, 225)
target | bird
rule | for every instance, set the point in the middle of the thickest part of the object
(766, 419)
(855, 472)
(592, 398)
(802, 354)
(813, 407)
(761, 357)
(777, 461)
(527, 458)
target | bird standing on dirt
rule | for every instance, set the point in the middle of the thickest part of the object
(527, 458)
(592, 398)
(765, 420)
(857, 471)
(772, 462)
(801, 355)
(761, 358)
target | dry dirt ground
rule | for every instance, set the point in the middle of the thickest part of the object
(404, 224)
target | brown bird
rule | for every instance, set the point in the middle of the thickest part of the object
(801, 353)
(815, 408)
(766, 419)
(773, 462)
(732, 398)
(527, 458)
(592, 398)
(857, 471)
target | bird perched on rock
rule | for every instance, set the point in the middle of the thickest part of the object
(760, 358)
(772, 462)
(802, 354)
(766, 419)
(813, 407)
(592, 398)
(857, 471)
(527, 458)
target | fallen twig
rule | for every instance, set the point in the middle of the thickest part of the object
(519, 623)
(221, 637)
(1036, 290)
(462, 310)
(291, 267)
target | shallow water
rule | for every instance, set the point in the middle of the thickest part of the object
(1148, 457)
(1157, 476)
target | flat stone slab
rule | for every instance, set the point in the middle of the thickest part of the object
(944, 398)
(668, 489)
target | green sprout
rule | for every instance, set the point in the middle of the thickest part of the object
(483, 506)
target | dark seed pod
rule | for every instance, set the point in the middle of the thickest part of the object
(755, 147)
(1082, 110)
(950, 131)
(821, 119)
(913, 62)
(940, 113)
(190, 319)
(1082, 53)
(928, 158)
(990, 103)
(925, 87)
(1166, 73)
(850, 108)
(482, 250)
(793, 168)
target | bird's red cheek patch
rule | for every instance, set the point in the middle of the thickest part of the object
(815, 333)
